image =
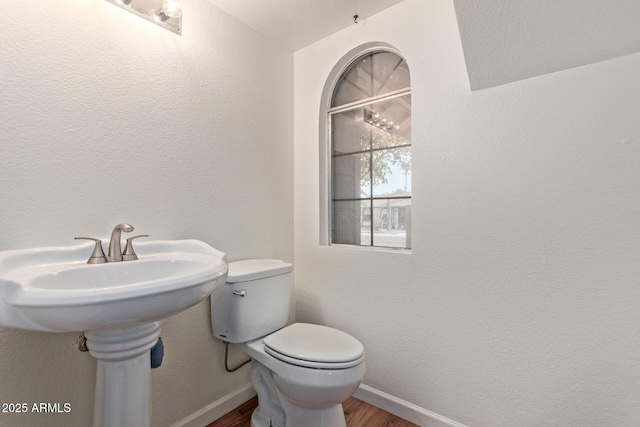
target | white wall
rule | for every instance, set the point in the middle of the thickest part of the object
(106, 118)
(529, 38)
(519, 303)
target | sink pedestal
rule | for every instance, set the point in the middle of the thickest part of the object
(123, 381)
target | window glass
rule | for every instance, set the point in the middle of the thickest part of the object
(390, 223)
(351, 178)
(349, 224)
(350, 133)
(372, 75)
(391, 172)
(386, 123)
(370, 122)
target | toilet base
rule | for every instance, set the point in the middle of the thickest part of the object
(329, 417)
(332, 417)
(257, 420)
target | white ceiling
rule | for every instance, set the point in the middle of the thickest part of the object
(295, 24)
(503, 40)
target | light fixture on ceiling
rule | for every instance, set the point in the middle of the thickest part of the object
(168, 15)
(378, 121)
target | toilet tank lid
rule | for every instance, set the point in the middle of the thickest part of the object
(254, 269)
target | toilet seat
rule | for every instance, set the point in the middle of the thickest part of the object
(314, 346)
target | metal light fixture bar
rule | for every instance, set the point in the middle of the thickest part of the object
(378, 121)
(166, 15)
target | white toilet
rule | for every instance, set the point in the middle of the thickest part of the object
(302, 373)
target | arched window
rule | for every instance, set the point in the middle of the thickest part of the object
(369, 131)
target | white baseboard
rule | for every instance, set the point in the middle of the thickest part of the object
(217, 409)
(382, 400)
(402, 409)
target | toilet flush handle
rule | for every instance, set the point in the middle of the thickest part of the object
(240, 293)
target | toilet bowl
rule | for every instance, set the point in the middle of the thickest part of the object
(302, 372)
(310, 392)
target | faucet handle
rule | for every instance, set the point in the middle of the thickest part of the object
(97, 257)
(129, 254)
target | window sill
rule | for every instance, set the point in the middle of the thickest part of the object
(371, 248)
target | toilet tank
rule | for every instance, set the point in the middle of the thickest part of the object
(253, 302)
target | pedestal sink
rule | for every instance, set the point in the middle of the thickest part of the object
(118, 305)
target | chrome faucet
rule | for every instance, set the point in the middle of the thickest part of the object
(115, 250)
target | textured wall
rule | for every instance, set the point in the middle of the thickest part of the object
(512, 40)
(106, 118)
(518, 305)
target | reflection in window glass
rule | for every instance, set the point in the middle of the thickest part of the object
(370, 123)
(351, 179)
(349, 132)
(348, 223)
(392, 172)
(372, 75)
(389, 223)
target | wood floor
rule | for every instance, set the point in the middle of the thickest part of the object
(356, 412)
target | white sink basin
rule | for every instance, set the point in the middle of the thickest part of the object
(54, 290)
